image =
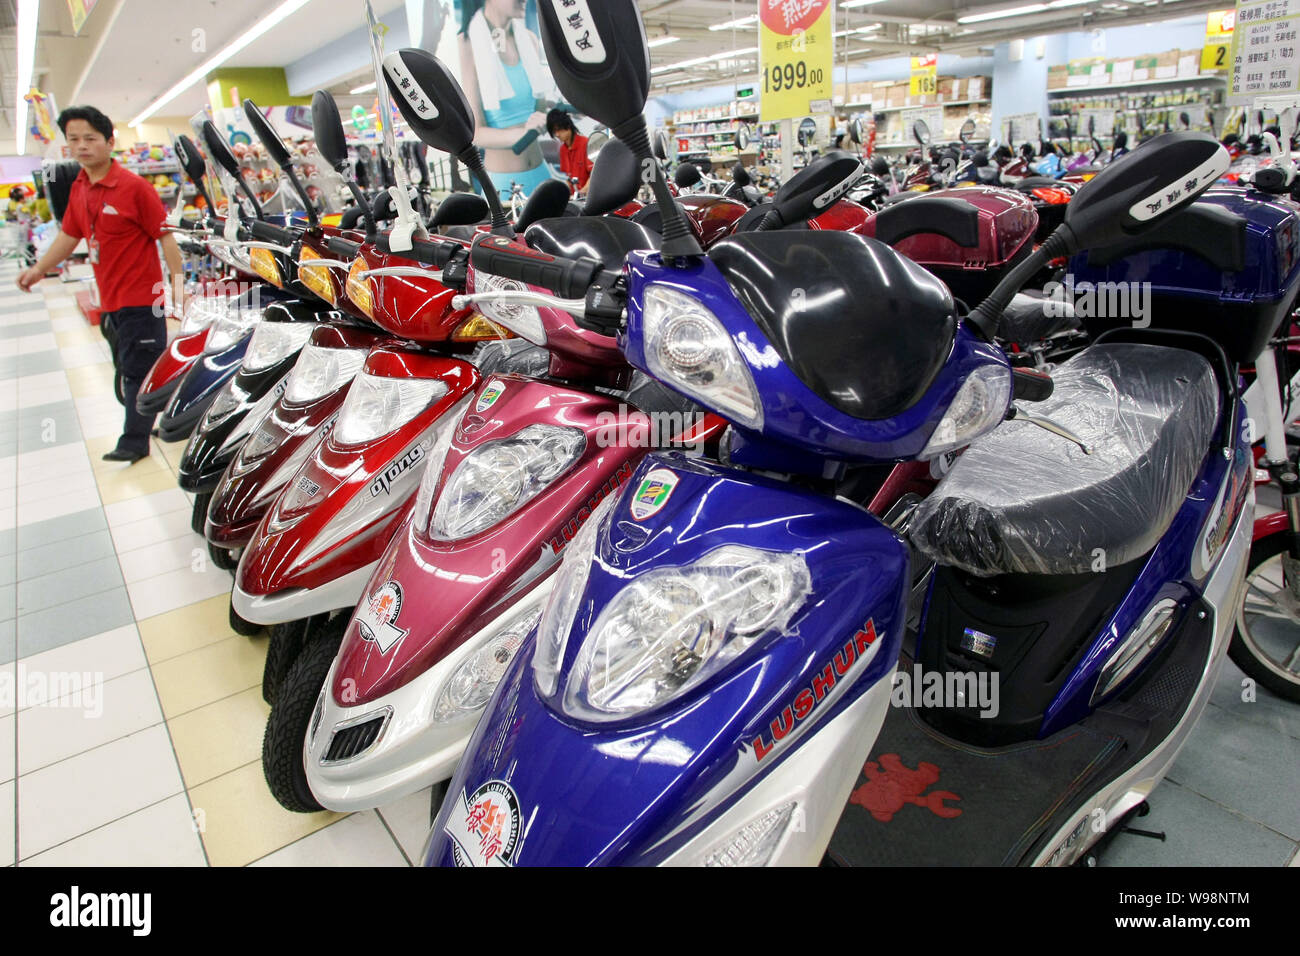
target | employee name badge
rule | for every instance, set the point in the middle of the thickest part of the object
(93, 244)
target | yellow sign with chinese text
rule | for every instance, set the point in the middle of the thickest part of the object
(1218, 40)
(796, 52)
(925, 75)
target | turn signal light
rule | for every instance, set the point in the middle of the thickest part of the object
(359, 289)
(478, 328)
(316, 278)
(264, 264)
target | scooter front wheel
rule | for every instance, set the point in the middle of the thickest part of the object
(436, 798)
(283, 747)
(199, 513)
(1266, 644)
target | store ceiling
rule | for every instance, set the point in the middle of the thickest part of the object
(149, 43)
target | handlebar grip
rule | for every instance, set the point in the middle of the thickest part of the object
(342, 247)
(1031, 385)
(524, 142)
(567, 278)
(1270, 179)
(269, 233)
(431, 253)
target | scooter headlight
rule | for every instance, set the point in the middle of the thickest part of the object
(376, 406)
(979, 406)
(233, 325)
(320, 371)
(688, 349)
(524, 320)
(255, 417)
(499, 477)
(562, 608)
(201, 311)
(225, 403)
(473, 682)
(672, 627)
(275, 341)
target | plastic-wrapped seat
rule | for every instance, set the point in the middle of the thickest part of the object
(1022, 500)
(1032, 318)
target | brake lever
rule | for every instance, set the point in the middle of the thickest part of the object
(1020, 415)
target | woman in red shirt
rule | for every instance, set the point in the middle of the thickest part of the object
(573, 148)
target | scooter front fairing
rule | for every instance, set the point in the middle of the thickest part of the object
(798, 605)
(454, 596)
(318, 544)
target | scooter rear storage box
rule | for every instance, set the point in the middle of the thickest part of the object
(1227, 267)
(968, 237)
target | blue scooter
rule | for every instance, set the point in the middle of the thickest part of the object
(715, 665)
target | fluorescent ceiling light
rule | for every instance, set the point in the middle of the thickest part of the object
(285, 9)
(869, 28)
(749, 21)
(1057, 4)
(700, 60)
(662, 41)
(28, 14)
(363, 89)
(850, 4)
(999, 14)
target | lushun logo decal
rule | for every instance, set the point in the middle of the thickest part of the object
(378, 622)
(484, 826)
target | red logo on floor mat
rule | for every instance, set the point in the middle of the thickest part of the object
(887, 790)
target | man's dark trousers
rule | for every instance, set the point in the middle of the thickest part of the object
(139, 336)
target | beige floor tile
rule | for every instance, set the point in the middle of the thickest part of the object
(209, 674)
(241, 820)
(77, 337)
(91, 379)
(220, 737)
(95, 447)
(133, 484)
(186, 629)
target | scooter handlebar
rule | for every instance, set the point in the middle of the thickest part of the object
(342, 247)
(269, 233)
(567, 278)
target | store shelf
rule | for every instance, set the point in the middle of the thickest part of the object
(1106, 87)
(899, 109)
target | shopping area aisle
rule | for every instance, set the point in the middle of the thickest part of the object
(150, 752)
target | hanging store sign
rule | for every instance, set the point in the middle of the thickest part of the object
(796, 50)
(1265, 54)
(925, 75)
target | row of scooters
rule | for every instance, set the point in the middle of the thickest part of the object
(624, 521)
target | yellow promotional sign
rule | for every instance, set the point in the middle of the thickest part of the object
(1218, 40)
(80, 11)
(925, 72)
(796, 50)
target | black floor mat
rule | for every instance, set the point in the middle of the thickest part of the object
(924, 799)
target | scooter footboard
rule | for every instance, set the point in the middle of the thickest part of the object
(708, 631)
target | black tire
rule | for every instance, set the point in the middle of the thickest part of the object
(282, 649)
(291, 714)
(1242, 650)
(199, 514)
(436, 799)
(225, 560)
(241, 626)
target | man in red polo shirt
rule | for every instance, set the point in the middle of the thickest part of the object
(121, 218)
(573, 148)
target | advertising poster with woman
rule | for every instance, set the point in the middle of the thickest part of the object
(495, 51)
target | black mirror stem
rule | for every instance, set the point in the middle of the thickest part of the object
(474, 162)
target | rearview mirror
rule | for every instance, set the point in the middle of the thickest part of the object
(430, 100)
(190, 159)
(855, 131)
(223, 157)
(661, 145)
(921, 132)
(807, 131)
(813, 189)
(614, 179)
(967, 131)
(742, 137)
(596, 142)
(598, 55)
(327, 127)
(1165, 175)
(267, 135)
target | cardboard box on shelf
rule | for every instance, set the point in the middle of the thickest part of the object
(976, 88)
(1189, 63)
(1057, 77)
(1166, 65)
(944, 87)
(860, 93)
(896, 95)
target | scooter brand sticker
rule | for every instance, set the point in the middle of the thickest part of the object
(653, 493)
(579, 30)
(408, 87)
(484, 826)
(378, 622)
(491, 393)
(384, 483)
(977, 642)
